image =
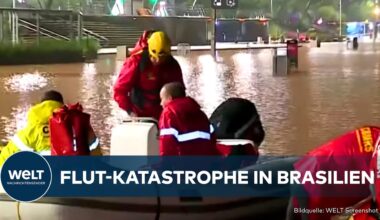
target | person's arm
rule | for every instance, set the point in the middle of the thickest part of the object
(13, 146)
(7, 151)
(124, 83)
(177, 72)
(168, 140)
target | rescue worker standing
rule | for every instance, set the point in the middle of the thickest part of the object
(35, 136)
(149, 67)
(351, 151)
(184, 127)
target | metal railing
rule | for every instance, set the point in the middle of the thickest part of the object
(42, 31)
(88, 32)
(38, 14)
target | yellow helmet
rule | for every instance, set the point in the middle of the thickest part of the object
(159, 44)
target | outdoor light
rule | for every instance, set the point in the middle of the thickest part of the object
(162, 3)
(370, 26)
(377, 10)
(320, 21)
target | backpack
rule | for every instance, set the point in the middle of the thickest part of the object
(69, 130)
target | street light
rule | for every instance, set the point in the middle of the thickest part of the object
(340, 18)
(271, 8)
(377, 13)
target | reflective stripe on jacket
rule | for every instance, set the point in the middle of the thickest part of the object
(35, 136)
(185, 129)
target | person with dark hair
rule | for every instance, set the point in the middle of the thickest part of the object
(35, 136)
(149, 66)
(52, 95)
(184, 127)
(238, 119)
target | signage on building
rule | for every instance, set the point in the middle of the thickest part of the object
(224, 4)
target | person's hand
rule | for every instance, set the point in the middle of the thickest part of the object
(133, 116)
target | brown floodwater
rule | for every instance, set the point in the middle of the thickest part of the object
(333, 91)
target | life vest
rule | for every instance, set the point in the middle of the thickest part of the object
(351, 151)
(69, 131)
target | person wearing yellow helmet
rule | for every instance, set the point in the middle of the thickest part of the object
(148, 68)
(159, 47)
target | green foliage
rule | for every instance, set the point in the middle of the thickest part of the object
(275, 31)
(48, 51)
(328, 12)
(360, 11)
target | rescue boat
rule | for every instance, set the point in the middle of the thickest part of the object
(143, 133)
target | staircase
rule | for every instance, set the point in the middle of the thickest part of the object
(55, 27)
(28, 32)
(117, 34)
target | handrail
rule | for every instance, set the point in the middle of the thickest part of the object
(65, 12)
(86, 31)
(97, 36)
(37, 10)
(42, 33)
(43, 29)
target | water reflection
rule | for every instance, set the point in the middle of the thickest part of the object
(25, 82)
(15, 122)
(326, 98)
(209, 84)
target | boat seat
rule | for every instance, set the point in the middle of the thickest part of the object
(137, 137)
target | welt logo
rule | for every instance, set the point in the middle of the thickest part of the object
(25, 177)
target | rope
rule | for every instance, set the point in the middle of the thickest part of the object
(18, 210)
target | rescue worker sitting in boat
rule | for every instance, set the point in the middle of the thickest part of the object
(149, 67)
(238, 127)
(184, 127)
(35, 136)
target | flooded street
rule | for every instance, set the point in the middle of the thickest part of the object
(334, 90)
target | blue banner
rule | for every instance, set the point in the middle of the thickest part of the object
(28, 176)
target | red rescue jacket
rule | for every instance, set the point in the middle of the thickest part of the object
(233, 147)
(365, 210)
(139, 82)
(351, 151)
(369, 209)
(185, 130)
(71, 133)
